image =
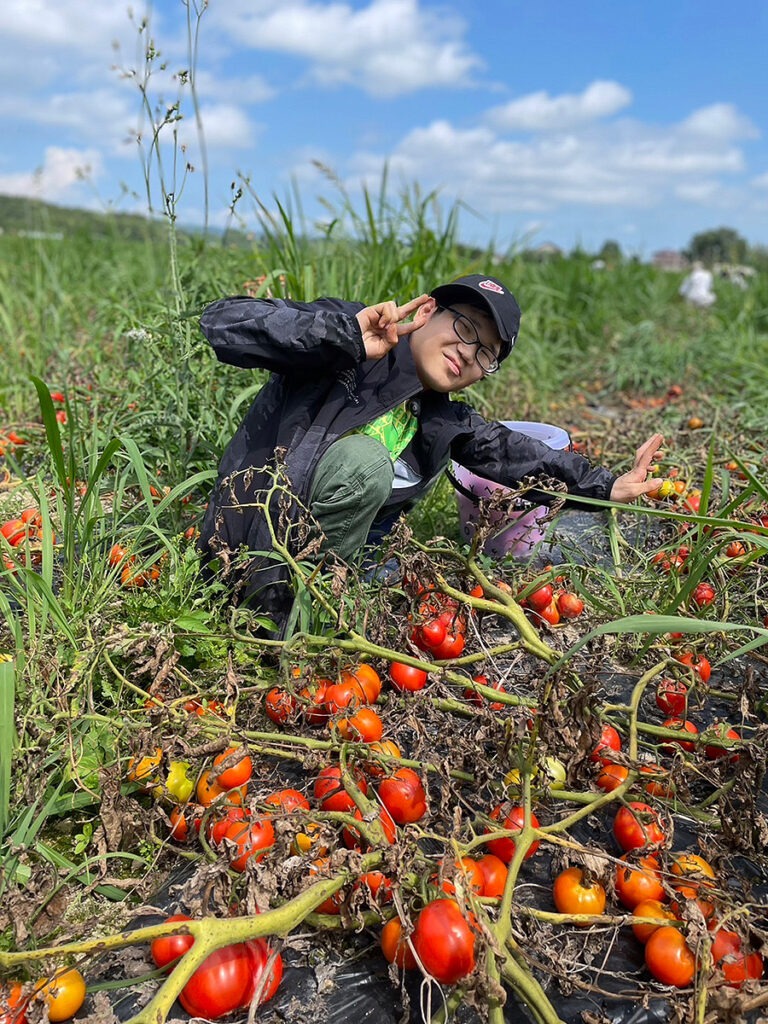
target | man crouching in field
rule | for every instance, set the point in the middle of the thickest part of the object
(357, 413)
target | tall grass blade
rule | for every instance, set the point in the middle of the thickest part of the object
(7, 736)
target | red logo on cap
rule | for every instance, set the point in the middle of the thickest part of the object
(491, 286)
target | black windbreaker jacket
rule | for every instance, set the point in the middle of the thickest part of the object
(321, 386)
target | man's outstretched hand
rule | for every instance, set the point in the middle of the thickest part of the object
(636, 482)
(381, 325)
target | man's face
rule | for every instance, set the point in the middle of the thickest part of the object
(444, 362)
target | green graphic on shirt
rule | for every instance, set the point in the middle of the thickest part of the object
(394, 429)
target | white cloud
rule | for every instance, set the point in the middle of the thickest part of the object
(592, 163)
(540, 112)
(225, 126)
(719, 121)
(247, 89)
(69, 24)
(708, 192)
(761, 181)
(61, 172)
(388, 48)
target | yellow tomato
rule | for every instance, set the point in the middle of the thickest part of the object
(307, 840)
(144, 770)
(665, 488)
(178, 784)
(64, 994)
(554, 774)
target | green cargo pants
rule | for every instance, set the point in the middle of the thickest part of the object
(352, 481)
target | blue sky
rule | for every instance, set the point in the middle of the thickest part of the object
(562, 121)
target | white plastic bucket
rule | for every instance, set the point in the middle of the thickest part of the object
(525, 528)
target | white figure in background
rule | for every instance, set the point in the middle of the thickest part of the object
(696, 289)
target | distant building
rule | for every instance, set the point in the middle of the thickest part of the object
(669, 259)
(548, 249)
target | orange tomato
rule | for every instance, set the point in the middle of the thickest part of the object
(239, 773)
(395, 946)
(654, 909)
(145, 770)
(364, 726)
(638, 880)
(64, 994)
(669, 958)
(574, 893)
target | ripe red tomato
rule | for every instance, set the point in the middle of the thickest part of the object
(736, 964)
(681, 725)
(279, 705)
(369, 679)
(13, 1005)
(703, 595)
(611, 776)
(650, 908)
(735, 549)
(117, 554)
(14, 531)
(181, 818)
(510, 817)
(445, 941)
(494, 875)
(714, 751)
(288, 800)
(637, 825)
(240, 771)
(669, 958)
(451, 647)
(312, 701)
(573, 893)
(569, 605)
(251, 839)
(330, 792)
(364, 726)
(164, 951)
(395, 947)
(354, 839)
(700, 665)
(671, 696)
(549, 613)
(660, 783)
(609, 740)
(404, 796)
(638, 880)
(540, 598)
(265, 979)
(378, 885)
(407, 678)
(693, 502)
(466, 871)
(474, 697)
(218, 823)
(429, 634)
(345, 694)
(221, 983)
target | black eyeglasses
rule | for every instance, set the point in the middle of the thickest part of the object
(467, 334)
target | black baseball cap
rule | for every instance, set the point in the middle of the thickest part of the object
(495, 296)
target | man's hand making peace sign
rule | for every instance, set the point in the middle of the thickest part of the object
(381, 325)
